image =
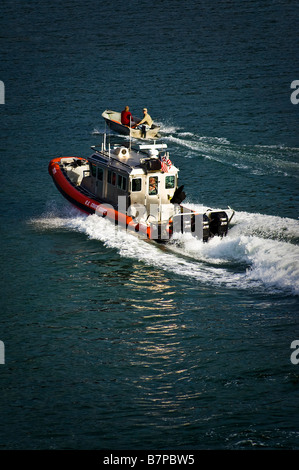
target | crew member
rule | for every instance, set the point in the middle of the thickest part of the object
(147, 120)
(153, 185)
(145, 123)
(126, 116)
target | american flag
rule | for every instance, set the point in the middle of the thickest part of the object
(165, 163)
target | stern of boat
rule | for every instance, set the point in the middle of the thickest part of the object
(202, 226)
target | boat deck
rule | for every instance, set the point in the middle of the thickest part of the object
(125, 155)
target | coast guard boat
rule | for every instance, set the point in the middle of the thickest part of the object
(113, 120)
(135, 187)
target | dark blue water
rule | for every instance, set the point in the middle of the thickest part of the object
(112, 342)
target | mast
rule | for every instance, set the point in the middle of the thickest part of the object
(130, 135)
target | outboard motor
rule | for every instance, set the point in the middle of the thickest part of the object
(201, 226)
(218, 223)
(190, 222)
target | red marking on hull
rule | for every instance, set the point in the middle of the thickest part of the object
(88, 204)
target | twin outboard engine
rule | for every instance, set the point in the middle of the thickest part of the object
(218, 223)
(201, 226)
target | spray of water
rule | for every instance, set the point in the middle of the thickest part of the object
(249, 257)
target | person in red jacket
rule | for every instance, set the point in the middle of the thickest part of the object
(126, 117)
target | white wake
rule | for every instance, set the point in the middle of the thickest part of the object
(260, 251)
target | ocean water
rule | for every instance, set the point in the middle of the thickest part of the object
(112, 342)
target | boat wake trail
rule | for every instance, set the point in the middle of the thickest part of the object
(249, 257)
(255, 159)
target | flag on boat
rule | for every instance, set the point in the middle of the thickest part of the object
(165, 163)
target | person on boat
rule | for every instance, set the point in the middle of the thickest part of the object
(126, 117)
(146, 120)
(152, 185)
(145, 123)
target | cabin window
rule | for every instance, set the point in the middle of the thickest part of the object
(136, 184)
(93, 169)
(169, 182)
(119, 178)
(111, 177)
(122, 182)
(153, 185)
(100, 174)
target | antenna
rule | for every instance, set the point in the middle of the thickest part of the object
(130, 134)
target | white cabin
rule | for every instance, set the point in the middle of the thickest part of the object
(139, 175)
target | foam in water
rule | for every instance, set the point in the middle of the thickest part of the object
(271, 159)
(248, 257)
